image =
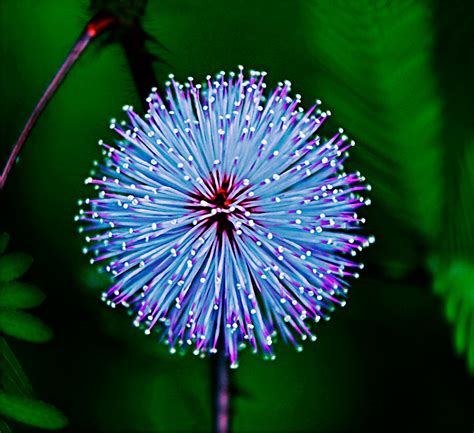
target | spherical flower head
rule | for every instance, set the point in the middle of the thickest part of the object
(223, 218)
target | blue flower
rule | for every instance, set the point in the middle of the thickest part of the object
(223, 218)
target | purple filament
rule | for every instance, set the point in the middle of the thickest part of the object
(222, 215)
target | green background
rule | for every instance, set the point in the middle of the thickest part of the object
(398, 76)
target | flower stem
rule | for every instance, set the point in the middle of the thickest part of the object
(95, 27)
(221, 392)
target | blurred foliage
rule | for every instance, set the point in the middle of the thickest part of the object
(397, 75)
(376, 63)
(455, 284)
(453, 265)
(454, 253)
(375, 72)
(17, 400)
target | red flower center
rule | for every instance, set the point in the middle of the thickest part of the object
(223, 203)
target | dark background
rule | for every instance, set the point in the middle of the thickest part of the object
(398, 76)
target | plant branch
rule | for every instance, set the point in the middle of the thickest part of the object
(95, 27)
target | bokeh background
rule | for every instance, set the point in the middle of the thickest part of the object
(397, 75)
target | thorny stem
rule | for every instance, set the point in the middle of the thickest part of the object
(95, 27)
(140, 61)
(221, 392)
(141, 66)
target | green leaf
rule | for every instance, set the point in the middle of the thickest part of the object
(24, 326)
(14, 265)
(4, 238)
(12, 378)
(31, 412)
(456, 284)
(20, 295)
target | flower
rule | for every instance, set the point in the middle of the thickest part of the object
(223, 218)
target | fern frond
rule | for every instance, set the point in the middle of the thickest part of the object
(375, 71)
(455, 283)
(453, 269)
(17, 401)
